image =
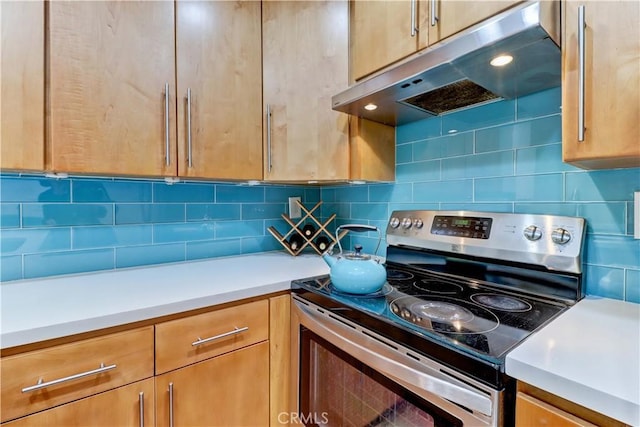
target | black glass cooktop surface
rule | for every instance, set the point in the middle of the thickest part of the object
(474, 318)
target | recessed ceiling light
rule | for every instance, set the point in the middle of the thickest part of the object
(501, 60)
(370, 107)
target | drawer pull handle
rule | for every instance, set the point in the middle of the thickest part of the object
(141, 405)
(217, 337)
(41, 384)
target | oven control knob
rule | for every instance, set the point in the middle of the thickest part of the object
(394, 222)
(532, 233)
(406, 223)
(417, 223)
(560, 236)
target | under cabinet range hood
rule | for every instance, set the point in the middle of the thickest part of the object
(456, 72)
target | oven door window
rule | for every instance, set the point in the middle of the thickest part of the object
(338, 390)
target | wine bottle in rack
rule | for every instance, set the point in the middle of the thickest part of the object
(322, 243)
(295, 241)
(308, 231)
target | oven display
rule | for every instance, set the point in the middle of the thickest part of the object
(473, 227)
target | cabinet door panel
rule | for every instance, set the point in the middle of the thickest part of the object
(455, 16)
(219, 59)
(22, 85)
(533, 412)
(380, 33)
(119, 407)
(228, 390)
(109, 63)
(305, 51)
(612, 85)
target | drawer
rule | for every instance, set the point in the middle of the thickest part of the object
(192, 339)
(71, 371)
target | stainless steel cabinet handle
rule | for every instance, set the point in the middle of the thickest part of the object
(141, 402)
(269, 138)
(414, 26)
(581, 71)
(189, 150)
(217, 337)
(434, 17)
(167, 154)
(41, 384)
(170, 404)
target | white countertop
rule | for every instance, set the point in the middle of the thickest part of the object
(589, 355)
(37, 310)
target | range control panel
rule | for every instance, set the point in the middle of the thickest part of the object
(549, 240)
(462, 226)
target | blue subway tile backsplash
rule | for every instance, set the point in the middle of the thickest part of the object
(504, 156)
(63, 226)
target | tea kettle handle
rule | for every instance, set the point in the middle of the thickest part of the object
(358, 228)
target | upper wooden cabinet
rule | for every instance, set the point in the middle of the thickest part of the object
(110, 63)
(383, 32)
(113, 94)
(305, 51)
(219, 64)
(611, 90)
(449, 17)
(22, 85)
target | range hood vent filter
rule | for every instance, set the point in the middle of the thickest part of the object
(451, 97)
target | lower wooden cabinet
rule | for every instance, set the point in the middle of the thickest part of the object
(131, 405)
(235, 373)
(533, 412)
(227, 390)
(536, 407)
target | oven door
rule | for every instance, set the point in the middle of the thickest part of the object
(348, 375)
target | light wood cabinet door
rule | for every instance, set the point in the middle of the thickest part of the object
(228, 390)
(305, 55)
(383, 32)
(191, 339)
(219, 61)
(453, 16)
(106, 362)
(612, 85)
(22, 85)
(131, 405)
(531, 412)
(109, 63)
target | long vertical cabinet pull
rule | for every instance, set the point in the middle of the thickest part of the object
(582, 62)
(189, 149)
(167, 147)
(141, 402)
(434, 17)
(269, 138)
(414, 26)
(170, 404)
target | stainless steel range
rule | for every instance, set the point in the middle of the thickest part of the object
(463, 288)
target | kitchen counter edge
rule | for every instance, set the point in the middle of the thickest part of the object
(54, 307)
(580, 358)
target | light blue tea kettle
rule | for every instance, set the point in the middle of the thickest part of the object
(355, 272)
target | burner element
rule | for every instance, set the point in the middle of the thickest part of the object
(441, 311)
(501, 302)
(386, 290)
(438, 286)
(393, 274)
(444, 315)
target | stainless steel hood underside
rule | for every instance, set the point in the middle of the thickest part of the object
(456, 73)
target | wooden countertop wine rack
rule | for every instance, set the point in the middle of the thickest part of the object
(296, 227)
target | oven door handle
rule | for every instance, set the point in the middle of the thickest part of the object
(404, 370)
